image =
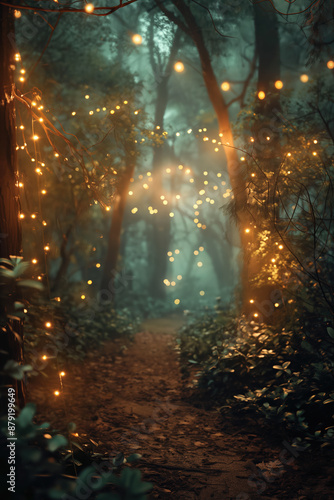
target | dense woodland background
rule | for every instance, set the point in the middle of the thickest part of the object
(169, 157)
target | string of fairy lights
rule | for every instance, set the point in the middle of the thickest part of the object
(143, 181)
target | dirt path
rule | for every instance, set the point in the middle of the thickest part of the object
(135, 403)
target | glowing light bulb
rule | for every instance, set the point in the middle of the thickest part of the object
(330, 64)
(202, 292)
(179, 67)
(171, 214)
(251, 301)
(225, 86)
(276, 304)
(89, 8)
(199, 264)
(261, 95)
(21, 216)
(56, 393)
(44, 357)
(247, 230)
(35, 137)
(256, 315)
(304, 78)
(17, 14)
(89, 282)
(48, 324)
(179, 277)
(134, 210)
(62, 374)
(98, 265)
(177, 301)
(83, 297)
(46, 248)
(137, 39)
(279, 84)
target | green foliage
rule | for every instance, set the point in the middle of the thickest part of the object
(285, 375)
(43, 462)
(76, 328)
(12, 288)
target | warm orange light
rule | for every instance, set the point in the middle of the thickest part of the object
(179, 67)
(56, 393)
(256, 315)
(247, 230)
(279, 84)
(251, 301)
(225, 86)
(46, 248)
(89, 8)
(62, 374)
(304, 78)
(261, 95)
(330, 64)
(44, 357)
(137, 39)
(17, 14)
(48, 324)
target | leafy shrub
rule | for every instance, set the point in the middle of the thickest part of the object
(43, 459)
(76, 328)
(284, 375)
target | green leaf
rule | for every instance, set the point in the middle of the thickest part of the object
(26, 415)
(30, 284)
(71, 427)
(56, 442)
(15, 370)
(133, 458)
(20, 268)
(119, 459)
(330, 331)
(305, 345)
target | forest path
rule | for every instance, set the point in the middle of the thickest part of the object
(134, 403)
(139, 408)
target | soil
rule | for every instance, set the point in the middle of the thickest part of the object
(135, 401)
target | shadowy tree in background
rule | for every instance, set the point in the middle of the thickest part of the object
(186, 20)
(161, 225)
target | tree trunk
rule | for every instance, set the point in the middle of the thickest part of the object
(162, 221)
(10, 229)
(107, 287)
(267, 125)
(238, 185)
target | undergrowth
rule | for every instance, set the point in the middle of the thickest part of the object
(284, 375)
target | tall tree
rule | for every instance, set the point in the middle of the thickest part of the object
(10, 230)
(162, 223)
(186, 20)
